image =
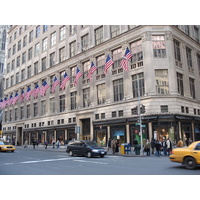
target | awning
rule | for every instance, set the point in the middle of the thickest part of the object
(184, 117)
(116, 121)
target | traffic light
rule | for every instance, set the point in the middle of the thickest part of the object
(143, 109)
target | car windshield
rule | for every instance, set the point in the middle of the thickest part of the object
(4, 143)
(92, 144)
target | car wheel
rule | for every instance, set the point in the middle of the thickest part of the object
(89, 155)
(190, 163)
(101, 156)
(71, 153)
(12, 151)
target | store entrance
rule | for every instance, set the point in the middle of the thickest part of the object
(86, 129)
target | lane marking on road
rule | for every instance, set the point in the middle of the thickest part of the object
(47, 160)
(8, 163)
(102, 163)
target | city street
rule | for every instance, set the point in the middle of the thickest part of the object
(46, 162)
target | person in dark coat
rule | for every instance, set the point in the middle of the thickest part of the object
(153, 145)
(117, 146)
(158, 145)
(34, 143)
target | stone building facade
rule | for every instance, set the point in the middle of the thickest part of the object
(165, 69)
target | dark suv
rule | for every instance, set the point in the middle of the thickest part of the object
(86, 148)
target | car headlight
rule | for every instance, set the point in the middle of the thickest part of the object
(95, 150)
(4, 147)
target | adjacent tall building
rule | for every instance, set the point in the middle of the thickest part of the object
(163, 73)
(3, 40)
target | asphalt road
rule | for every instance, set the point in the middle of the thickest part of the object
(30, 162)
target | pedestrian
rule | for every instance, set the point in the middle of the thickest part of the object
(113, 145)
(53, 143)
(37, 142)
(109, 144)
(25, 144)
(169, 146)
(34, 143)
(46, 144)
(158, 146)
(147, 147)
(164, 147)
(152, 145)
(117, 146)
(187, 142)
(58, 144)
(180, 143)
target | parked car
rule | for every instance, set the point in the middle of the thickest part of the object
(189, 156)
(85, 148)
(6, 146)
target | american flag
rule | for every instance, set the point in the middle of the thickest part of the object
(44, 88)
(127, 56)
(56, 82)
(15, 99)
(4, 103)
(64, 81)
(36, 91)
(109, 63)
(28, 93)
(10, 100)
(21, 98)
(78, 75)
(92, 69)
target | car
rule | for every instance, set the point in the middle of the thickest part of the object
(85, 148)
(189, 157)
(6, 146)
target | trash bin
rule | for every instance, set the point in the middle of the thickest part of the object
(127, 148)
(122, 148)
(137, 149)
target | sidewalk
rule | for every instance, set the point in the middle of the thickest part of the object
(63, 149)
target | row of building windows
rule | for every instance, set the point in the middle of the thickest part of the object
(117, 54)
(118, 95)
(114, 31)
(114, 114)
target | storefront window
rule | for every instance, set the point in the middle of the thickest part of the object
(118, 133)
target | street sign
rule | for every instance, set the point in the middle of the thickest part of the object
(77, 129)
(137, 124)
(143, 126)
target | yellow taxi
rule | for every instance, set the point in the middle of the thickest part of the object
(6, 146)
(189, 156)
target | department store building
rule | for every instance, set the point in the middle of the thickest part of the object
(164, 74)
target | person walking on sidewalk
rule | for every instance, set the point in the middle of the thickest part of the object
(147, 147)
(53, 143)
(152, 145)
(58, 144)
(117, 146)
(46, 144)
(164, 147)
(113, 145)
(26, 144)
(158, 145)
(34, 143)
(169, 146)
